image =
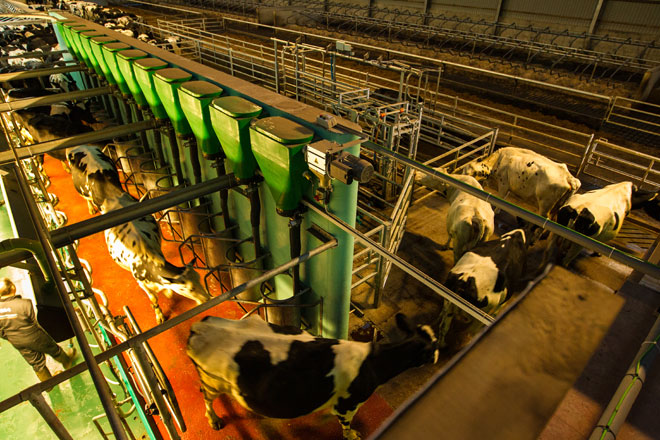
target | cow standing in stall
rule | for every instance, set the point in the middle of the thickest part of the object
(486, 276)
(284, 372)
(94, 175)
(598, 214)
(136, 246)
(532, 177)
(470, 220)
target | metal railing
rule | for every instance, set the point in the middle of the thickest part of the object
(597, 56)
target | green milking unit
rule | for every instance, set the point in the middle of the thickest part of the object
(71, 43)
(195, 98)
(277, 144)
(59, 27)
(95, 51)
(75, 39)
(230, 118)
(110, 52)
(166, 83)
(144, 70)
(86, 47)
(125, 61)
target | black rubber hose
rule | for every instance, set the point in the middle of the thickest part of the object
(224, 194)
(255, 218)
(295, 245)
(176, 158)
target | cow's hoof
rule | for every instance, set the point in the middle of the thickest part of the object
(217, 424)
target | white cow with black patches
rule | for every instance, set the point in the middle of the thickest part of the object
(470, 220)
(486, 276)
(94, 175)
(283, 372)
(598, 214)
(532, 177)
(136, 246)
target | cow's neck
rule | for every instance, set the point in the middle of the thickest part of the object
(390, 359)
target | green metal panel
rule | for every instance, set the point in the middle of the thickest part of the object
(230, 118)
(86, 48)
(110, 51)
(75, 36)
(60, 28)
(97, 51)
(167, 82)
(144, 70)
(277, 145)
(195, 98)
(125, 60)
(72, 43)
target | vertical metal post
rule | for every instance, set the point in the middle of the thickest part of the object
(277, 68)
(152, 382)
(39, 403)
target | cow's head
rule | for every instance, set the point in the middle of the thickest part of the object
(566, 215)
(423, 339)
(586, 223)
(477, 169)
(188, 284)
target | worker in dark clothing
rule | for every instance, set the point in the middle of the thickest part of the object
(19, 326)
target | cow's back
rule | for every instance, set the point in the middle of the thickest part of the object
(276, 372)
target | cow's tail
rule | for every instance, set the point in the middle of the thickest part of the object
(478, 230)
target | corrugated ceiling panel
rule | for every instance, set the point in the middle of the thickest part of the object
(474, 9)
(626, 18)
(557, 14)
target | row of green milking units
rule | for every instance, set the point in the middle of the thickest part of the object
(214, 127)
(100, 53)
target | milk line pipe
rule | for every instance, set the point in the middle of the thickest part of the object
(28, 151)
(95, 372)
(224, 194)
(152, 383)
(25, 103)
(20, 397)
(614, 416)
(190, 142)
(32, 246)
(36, 73)
(148, 363)
(174, 149)
(575, 237)
(420, 276)
(69, 234)
(34, 54)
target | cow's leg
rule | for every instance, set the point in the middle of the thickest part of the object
(446, 317)
(160, 318)
(210, 395)
(91, 207)
(345, 419)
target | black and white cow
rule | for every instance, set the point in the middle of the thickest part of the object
(598, 214)
(486, 276)
(470, 220)
(136, 247)
(283, 372)
(532, 177)
(94, 175)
